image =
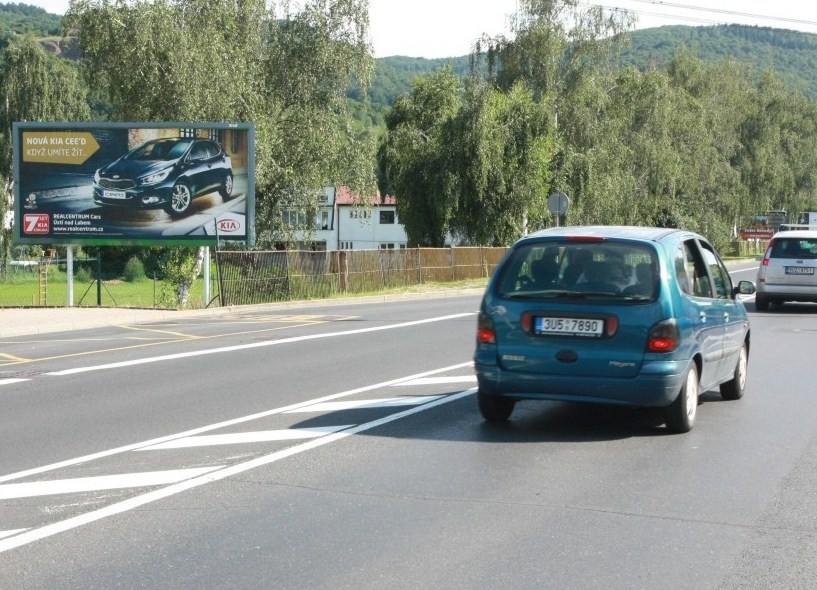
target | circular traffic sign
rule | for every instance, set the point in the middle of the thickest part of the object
(558, 203)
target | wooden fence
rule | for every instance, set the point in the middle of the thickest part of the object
(266, 276)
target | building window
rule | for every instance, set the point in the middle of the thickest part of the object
(293, 218)
(346, 246)
(387, 246)
(357, 213)
(187, 133)
(324, 220)
(387, 217)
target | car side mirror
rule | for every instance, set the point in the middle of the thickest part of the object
(744, 288)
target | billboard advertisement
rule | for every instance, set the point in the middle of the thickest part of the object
(133, 183)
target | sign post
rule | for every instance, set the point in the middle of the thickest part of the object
(558, 204)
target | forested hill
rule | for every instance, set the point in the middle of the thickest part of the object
(25, 18)
(791, 53)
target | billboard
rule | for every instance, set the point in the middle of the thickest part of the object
(134, 183)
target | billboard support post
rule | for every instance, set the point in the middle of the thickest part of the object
(206, 275)
(69, 273)
(218, 268)
(99, 279)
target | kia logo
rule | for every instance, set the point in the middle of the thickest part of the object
(228, 225)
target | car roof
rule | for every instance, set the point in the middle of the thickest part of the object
(610, 231)
(797, 233)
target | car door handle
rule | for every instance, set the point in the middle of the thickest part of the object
(703, 317)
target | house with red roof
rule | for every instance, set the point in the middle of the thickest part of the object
(347, 222)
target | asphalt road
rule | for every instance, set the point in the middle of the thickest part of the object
(340, 447)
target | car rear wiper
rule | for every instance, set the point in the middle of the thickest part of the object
(547, 293)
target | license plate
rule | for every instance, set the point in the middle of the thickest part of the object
(114, 194)
(799, 270)
(569, 326)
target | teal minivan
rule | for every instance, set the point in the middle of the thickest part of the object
(633, 316)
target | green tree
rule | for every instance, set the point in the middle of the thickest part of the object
(415, 157)
(562, 53)
(502, 144)
(35, 86)
(778, 156)
(203, 61)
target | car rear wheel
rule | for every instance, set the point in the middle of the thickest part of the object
(495, 408)
(226, 188)
(180, 199)
(761, 303)
(734, 388)
(680, 414)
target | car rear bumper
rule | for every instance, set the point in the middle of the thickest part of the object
(656, 385)
(789, 292)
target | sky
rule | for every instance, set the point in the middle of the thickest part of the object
(448, 28)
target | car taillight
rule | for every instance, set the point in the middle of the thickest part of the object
(485, 330)
(663, 337)
(768, 253)
(612, 325)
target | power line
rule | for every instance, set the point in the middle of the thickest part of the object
(697, 19)
(729, 12)
(691, 19)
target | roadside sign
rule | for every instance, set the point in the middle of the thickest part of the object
(558, 204)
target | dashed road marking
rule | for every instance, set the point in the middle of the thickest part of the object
(10, 381)
(36, 534)
(102, 482)
(225, 424)
(361, 404)
(263, 344)
(439, 380)
(245, 437)
(11, 357)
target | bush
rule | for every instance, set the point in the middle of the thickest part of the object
(134, 270)
(83, 276)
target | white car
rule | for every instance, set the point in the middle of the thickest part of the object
(788, 271)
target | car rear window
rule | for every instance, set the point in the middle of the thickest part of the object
(580, 269)
(799, 247)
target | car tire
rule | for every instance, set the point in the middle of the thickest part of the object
(494, 408)
(734, 388)
(761, 303)
(180, 200)
(680, 414)
(226, 188)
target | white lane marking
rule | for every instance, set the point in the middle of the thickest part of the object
(233, 422)
(181, 355)
(360, 404)
(10, 381)
(102, 482)
(4, 534)
(439, 380)
(138, 501)
(245, 437)
(740, 270)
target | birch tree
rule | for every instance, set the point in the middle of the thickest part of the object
(285, 67)
(34, 86)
